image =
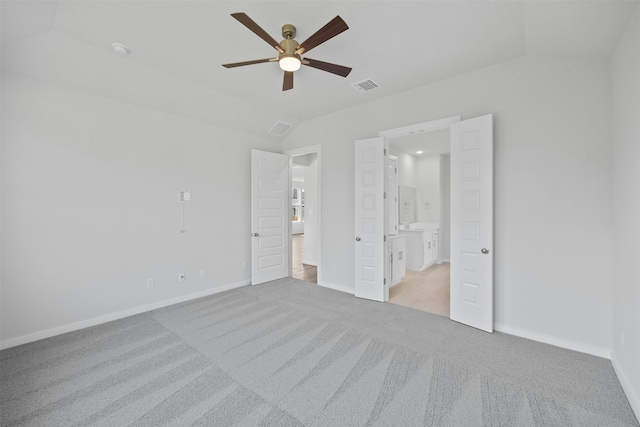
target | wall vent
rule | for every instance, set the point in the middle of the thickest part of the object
(280, 128)
(365, 85)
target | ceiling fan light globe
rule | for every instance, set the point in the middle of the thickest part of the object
(289, 63)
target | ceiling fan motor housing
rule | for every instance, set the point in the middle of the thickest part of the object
(289, 47)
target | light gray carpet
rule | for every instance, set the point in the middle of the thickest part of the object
(289, 353)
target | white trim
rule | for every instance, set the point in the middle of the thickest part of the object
(336, 287)
(558, 342)
(633, 399)
(298, 152)
(24, 339)
(420, 127)
(304, 150)
(304, 261)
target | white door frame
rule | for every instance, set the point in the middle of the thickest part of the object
(429, 126)
(300, 152)
(420, 127)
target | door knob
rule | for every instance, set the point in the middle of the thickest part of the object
(255, 234)
(357, 239)
(484, 251)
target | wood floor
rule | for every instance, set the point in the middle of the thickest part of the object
(300, 270)
(426, 290)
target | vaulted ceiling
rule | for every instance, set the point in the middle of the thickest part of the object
(177, 48)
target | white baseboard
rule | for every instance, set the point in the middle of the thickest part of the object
(558, 342)
(24, 339)
(335, 287)
(307, 262)
(632, 397)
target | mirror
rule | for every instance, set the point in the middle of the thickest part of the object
(407, 204)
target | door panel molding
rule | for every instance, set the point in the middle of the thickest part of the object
(269, 212)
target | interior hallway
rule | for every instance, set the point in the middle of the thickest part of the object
(300, 270)
(426, 290)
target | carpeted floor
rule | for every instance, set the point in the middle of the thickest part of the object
(289, 353)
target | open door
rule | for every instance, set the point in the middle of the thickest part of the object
(472, 222)
(370, 164)
(269, 216)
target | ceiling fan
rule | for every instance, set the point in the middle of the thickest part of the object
(290, 51)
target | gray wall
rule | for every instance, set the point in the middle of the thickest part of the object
(552, 188)
(90, 208)
(626, 210)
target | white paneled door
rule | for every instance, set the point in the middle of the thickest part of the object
(270, 203)
(369, 218)
(472, 222)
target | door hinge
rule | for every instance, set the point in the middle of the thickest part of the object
(384, 151)
(384, 238)
(385, 281)
(396, 170)
(384, 195)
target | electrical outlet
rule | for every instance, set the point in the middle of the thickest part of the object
(244, 264)
(181, 277)
(203, 272)
(150, 282)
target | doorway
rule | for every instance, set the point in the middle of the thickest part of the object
(471, 217)
(303, 174)
(304, 214)
(422, 161)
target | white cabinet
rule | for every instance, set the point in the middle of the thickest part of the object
(422, 248)
(398, 259)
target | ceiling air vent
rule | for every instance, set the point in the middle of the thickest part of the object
(365, 85)
(280, 128)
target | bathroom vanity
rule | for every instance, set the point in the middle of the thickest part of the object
(422, 246)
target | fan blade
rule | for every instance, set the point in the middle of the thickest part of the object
(288, 81)
(327, 66)
(332, 29)
(250, 24)
(255, 61)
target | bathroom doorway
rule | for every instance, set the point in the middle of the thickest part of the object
(423, 221)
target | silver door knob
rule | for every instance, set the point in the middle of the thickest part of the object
(357, 239)
(255, 234)
(484, 251)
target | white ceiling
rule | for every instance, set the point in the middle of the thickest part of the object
(178, 48)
